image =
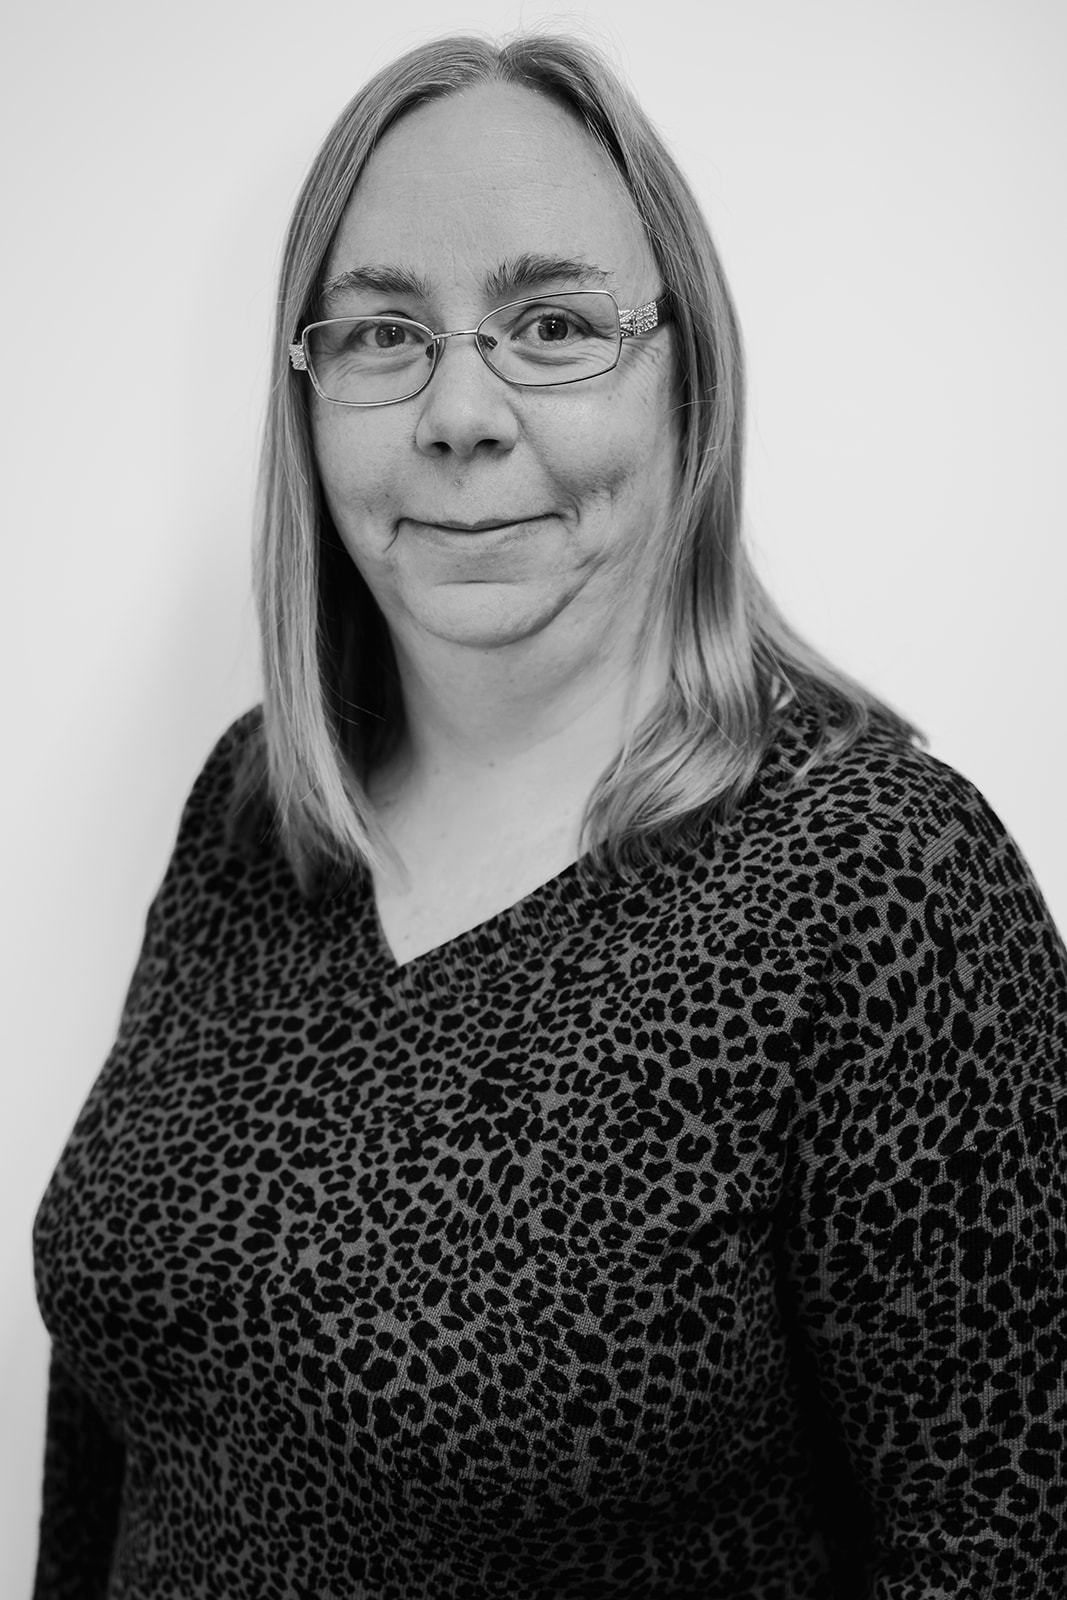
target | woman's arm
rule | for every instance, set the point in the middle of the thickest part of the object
(926, 1255)
(84, 1461)
(83, 1467)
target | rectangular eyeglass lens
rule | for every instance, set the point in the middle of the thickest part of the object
(555, 338)
(367, 358)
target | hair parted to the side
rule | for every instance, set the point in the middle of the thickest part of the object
(332, 705)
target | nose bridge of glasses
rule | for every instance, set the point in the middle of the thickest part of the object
(483, 343)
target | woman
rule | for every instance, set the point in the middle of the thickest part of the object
(587, 1119)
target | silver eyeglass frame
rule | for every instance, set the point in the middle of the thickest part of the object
(632, 324)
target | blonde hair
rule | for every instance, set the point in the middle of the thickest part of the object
(332, 704)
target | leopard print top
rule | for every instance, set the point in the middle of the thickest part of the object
(692, 1235)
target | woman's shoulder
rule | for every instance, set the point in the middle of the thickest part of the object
(234, 774)
(879, 783)
(883, 822)
(941, 957)
(226, 812)
(226, 843)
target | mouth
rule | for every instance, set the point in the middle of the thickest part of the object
(483, 524)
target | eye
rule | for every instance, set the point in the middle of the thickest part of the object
(553, 327)
(389, 335)
(370, 339)
(369, 334)
(545, 324)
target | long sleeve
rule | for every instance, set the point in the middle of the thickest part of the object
(926, 1256)
(84, 1461)
(83, 1469)
(692, 1234)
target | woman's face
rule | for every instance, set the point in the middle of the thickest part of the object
(480, 514)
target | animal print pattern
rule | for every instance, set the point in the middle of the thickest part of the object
(692, 1235)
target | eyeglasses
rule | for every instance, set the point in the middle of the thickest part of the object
(562, 338)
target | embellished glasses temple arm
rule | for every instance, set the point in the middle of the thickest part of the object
(645, 318)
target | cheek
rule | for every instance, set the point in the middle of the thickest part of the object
(357, 465)
(621, 456)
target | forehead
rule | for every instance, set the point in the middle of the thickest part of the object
(488, 174)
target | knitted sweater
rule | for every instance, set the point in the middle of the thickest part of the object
(688, 1235)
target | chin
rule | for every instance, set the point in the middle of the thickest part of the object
(488, 616)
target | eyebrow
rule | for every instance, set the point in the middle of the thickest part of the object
(377, 280)
(530, 271)
(513, 276)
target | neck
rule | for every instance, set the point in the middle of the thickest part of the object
(488, 725)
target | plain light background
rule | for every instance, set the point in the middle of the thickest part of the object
(885, 183)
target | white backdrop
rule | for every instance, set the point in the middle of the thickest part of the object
(884, 178)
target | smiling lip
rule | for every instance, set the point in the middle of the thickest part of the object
(483, 525)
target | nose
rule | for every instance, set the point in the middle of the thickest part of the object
(466, 409)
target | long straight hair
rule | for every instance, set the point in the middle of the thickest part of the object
(332, 705)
